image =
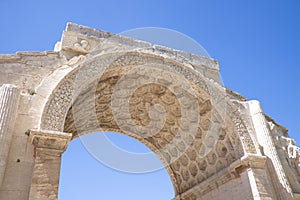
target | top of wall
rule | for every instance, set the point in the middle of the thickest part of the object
(133, 43)
(81, 40)
(27, 69)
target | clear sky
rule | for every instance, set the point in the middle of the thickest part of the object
(257, 44)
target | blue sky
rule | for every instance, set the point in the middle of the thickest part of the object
(257, 44)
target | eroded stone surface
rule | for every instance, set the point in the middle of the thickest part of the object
(48, 147)
(212, 142)
(9, 99)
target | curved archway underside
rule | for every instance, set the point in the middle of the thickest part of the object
(87, 103)
(213, 142)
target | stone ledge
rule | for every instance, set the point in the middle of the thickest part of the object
(74, 35)
(249, 161)
(87, 30)
(9, 57)
(46, 139)
(297, 196)
(225, 175)
(20, 55)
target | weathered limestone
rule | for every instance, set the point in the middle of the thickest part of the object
(288, 154)
(283, 188)
(48, 149)
(214, 143)
(9, 99)
(246, 178)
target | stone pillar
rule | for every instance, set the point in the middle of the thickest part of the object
(49, 146)
(9, 100)
(263, 134)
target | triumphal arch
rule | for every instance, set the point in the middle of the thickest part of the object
(214, 143)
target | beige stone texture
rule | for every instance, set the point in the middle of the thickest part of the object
(214, 143)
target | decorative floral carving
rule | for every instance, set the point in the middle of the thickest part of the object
(233, 137)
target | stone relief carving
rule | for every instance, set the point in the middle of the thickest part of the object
(82, 46)
(96, 81)
(75, 60)
(50, 140)
(128, 59)
(189, 168)
(288, 152)
(182, 154)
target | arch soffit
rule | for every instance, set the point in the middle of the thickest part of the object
(87, 71)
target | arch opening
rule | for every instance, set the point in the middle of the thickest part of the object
(85, 177)
(191, 150)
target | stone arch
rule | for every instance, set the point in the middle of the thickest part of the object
(49, 96)
(189, 169)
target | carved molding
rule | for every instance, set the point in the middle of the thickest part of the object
(264, 137)
(288, 152)
(92, 70)
(60, 101)
(232, 172)
(50, 140)
(48, 145)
